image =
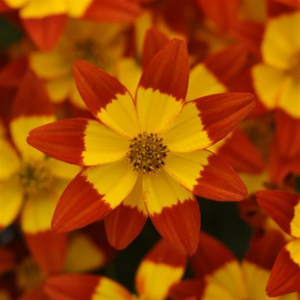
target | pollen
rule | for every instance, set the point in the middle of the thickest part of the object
(28, 274)
(147, 153)
(33, 177)
(294, 65)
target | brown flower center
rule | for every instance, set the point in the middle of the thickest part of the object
(294, 65)
(34, 176)
(84, 48)
(28, 274)
(147, 153)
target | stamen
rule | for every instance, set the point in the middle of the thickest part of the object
(147, 153)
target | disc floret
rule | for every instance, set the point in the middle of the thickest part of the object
(33, 177)
(147, 153)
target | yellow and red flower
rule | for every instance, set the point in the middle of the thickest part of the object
(98, 43)
(219, 275)
(284, 209)
(277, 79)
(28, 272)
(159, 270)
(30, 183)
(140, 147)
(45, 20)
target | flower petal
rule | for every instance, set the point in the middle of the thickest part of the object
(159, 270)
(84, 287)
(92, 194)
(32, 108)
(49, 65)
(222, 13)
(9, 160)
(130, 66)
(216, 263)
(250, 33)
(7, 260)
(154, 41)
(289, 98)
(245, 159)
(125, 223)
(45, 31)
(280, 41)
(48, 249)
(11, 201)
(106, 98)
(79, 141)
(217, 72)
(93, 259)
(12, 74)
(163, 87)
(285, 275)
(78, 9)
(259, 261)
(207, 120)
(61, 170)
(173, 210)
(283, 208)
(113, 11)
(59, 89)
(206, 175)
(36, 293)
(268, 83)
(203, 82)
(263, 250)
(188, 289)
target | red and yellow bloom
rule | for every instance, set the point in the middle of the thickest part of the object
(159, 270)
(45, 20)
(219, 275)
(147, 156)
(277, 78)
(30, 183)
(284, 209)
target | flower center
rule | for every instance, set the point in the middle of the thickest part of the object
(147, 153)
(294, 65)
(34, 176)
(88, 50)
(28, 274)
(84, 48)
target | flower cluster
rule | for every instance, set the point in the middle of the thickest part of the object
(119, 119)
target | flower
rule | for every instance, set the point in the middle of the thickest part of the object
(219, 275)
(277, 79)
(158, 271)
(30, 183)
(146, 157)
(284, 209)
(44, 21)
(98, 43)
(28, 270)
